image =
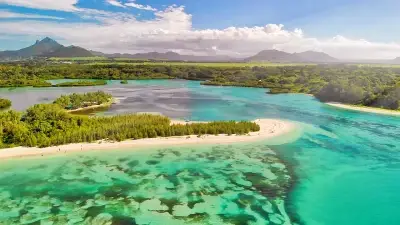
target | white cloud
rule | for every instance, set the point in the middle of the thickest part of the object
(61, 5)
(172, 30)
(115, 3)
(132, 3)
(5, 14)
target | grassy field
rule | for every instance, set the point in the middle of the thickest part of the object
(378, 65)
(94, 58)
(129, 59)
(224, 64)
(98, 60)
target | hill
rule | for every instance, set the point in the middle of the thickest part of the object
(51, 48)
(280, 56)
(312, 56)
(273, 56)
(44, 46)
(70, 51)
(396, 60)
(168, 56)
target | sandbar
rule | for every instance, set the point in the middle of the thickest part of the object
(269, 129)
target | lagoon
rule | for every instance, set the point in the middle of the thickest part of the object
(343, 169)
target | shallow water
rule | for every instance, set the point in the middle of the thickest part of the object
(345, 166)
(196, 185)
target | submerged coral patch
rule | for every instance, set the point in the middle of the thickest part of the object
(202, 185)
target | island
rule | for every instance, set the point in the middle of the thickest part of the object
(81, 83)
(80, 102)
(43, 126)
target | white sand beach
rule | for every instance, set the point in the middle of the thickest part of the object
(269, 129)
(107, 104)
(365, 109)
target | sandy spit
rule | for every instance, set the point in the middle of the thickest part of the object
(365, 109)
(269, 129)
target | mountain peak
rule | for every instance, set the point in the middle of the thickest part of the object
(47, 40)
(273, 55)
(315, 56)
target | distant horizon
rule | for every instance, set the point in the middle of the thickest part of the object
(351, 30)
(338, 60)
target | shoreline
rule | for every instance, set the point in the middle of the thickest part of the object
(269, 129)
(107, 104)
(364, 109)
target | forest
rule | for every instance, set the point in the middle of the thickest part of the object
(75, 101)
(4, 103)
(351, 84)
(46, 125)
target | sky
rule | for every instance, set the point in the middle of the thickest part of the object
(345, 29)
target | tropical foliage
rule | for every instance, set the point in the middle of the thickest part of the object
(75, 101)
(81, 83)
(369, 86)
(49, 125)
(4, 103)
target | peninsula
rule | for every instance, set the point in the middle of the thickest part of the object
(365, 109)
(269, 129)
(51, 128)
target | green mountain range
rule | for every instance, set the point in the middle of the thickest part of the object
(46, 48)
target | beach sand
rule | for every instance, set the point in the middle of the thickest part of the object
(365, 109)
(269, 129)
(107, 104)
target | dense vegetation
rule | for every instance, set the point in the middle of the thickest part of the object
(82, 83)
(368, 86)
(49, 125)
(4, 103)
(75, 101)
(24, 83)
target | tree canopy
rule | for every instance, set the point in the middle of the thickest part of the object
(50, 125)
(4, 103)
(364, 85)
(75, 101)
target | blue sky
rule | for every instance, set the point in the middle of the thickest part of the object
(335, 26)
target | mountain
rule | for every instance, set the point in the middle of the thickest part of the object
(46, 48)
(280, 56)
(312, 56)
(70, 51)
(40, 47)
(51, 48)
(95, 53)
(273, 56)
(169, 56)
(396, 60)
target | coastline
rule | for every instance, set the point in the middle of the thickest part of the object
(107, 104)
(269, 129)
(364, 109)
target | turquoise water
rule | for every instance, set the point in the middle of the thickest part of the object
(344, 169)
(186, 185)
